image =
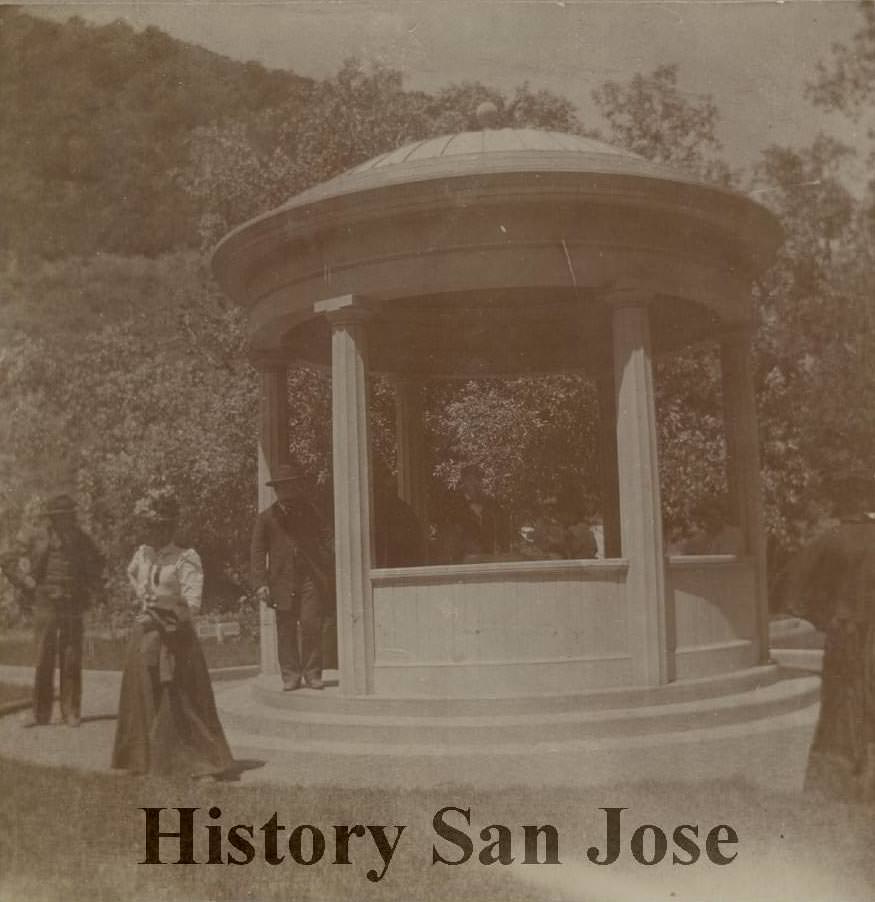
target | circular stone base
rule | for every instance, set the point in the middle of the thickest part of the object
(346, 723)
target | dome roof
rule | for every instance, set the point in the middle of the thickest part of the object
(493, 141)
(487, 152)
(504, 221)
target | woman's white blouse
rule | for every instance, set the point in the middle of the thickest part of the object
(170, 577)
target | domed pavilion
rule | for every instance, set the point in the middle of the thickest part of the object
(498, 253)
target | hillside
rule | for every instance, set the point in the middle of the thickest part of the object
(93, 123)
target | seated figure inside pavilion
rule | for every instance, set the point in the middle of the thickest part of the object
(399, 537)
(714, 531)
(560, 530)
(471, 525)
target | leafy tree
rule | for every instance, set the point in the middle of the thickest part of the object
(161, 395)
(847, 83)
(238, 168)
(530, 437)
(690, 434)
(649, 115)
(232, 179)
(815, 337)
(453, 108)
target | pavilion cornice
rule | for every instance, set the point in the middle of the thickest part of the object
(293, 231)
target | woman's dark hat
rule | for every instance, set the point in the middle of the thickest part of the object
(158, 506)
(286, 473)
(60, 504)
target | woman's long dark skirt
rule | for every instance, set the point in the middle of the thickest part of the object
(172, 728)
(841, 763)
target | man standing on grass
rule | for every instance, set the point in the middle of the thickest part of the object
(57, 568)
(291, 572)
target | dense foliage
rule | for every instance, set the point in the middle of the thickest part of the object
(94, 119)
(125, 154)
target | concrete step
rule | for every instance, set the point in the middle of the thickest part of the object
(242, 712)
(810, 659)
(770, 752)
(267, 692)
(707, 743)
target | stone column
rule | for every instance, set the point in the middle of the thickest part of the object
(742, 444)
(640, 506)
(273, 449)
(410, 446)
(353, 519)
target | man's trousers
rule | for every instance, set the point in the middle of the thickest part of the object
(306, 610)
(57, 634)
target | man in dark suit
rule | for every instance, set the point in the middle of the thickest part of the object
(58, 570)
(291, 572)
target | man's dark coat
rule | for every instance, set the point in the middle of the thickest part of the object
(287, 546)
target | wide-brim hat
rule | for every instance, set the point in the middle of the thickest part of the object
(286, 473)
(60, 504)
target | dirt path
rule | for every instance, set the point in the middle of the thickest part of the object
(771, 758)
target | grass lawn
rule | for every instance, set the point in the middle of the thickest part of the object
(9, 692)
(75, 836)
(109, 654)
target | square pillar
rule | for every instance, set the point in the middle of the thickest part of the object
(273, 449)
(640, 505)
(353, 507)
(742, 443)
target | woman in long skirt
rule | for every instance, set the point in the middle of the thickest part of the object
(831, 583)
(167, 721)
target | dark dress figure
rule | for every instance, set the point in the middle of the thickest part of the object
(57, 568)
(831, 583)
(167, 719)
(398, 535)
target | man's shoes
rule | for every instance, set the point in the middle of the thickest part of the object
(73, 720)
(291, 685)
(29, 720)
(314, 682)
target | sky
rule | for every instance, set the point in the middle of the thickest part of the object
(754, 58)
